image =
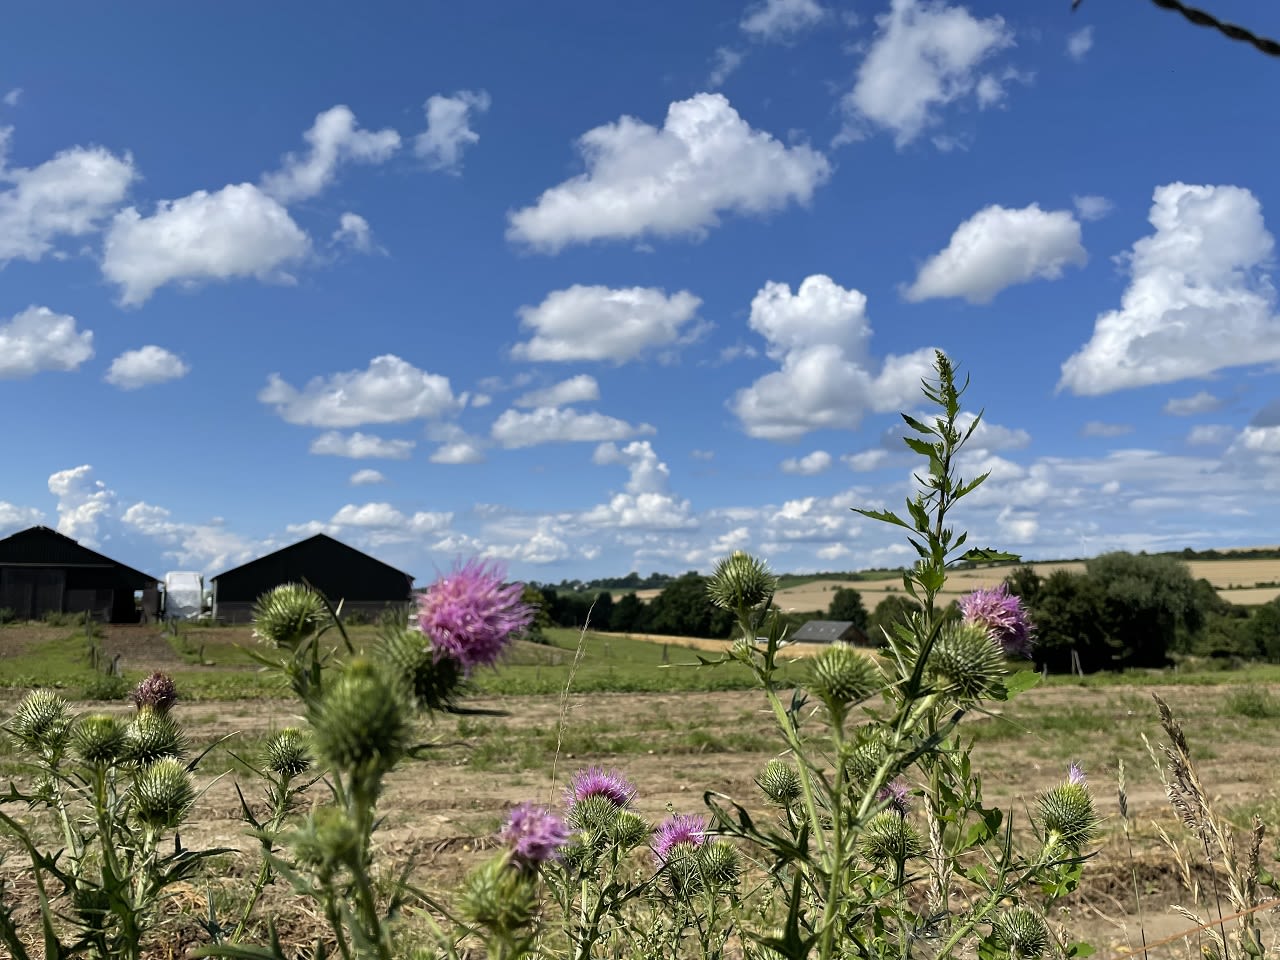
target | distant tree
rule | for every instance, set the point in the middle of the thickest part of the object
(846, 604)
(602, 612)
(1263, 630)
(893, 609)
(1023, 582)
(629, 615)
(1152, 606)
(536, 631)
(682, 610)
(1069, 616)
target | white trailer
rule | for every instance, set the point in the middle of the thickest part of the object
(183, 595)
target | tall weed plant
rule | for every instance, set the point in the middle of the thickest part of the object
(869, 835)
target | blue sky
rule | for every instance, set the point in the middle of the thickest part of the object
(593, 288)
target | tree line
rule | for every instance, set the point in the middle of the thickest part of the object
(1123, 611)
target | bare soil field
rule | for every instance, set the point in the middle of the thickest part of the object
(443, 811)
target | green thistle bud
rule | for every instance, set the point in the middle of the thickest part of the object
(779, 782)
(1022, 932)
(288, 614)
(361, 725)
(966, 661)
(499, 898)
(100, 739)
(890, 838)
(682, 868)
(840, 675)
(595, 814)
(1067, 816)
(41, 721)
(286, 753)
(743, 650)
(163, 794)
(325, 841)
(152, 736)
(721, 864)
(431, 682)
(864, 763)
(629, 829)
(741, 581)
(45, 789)
(576, 854)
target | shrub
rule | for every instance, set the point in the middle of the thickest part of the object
(7, 615)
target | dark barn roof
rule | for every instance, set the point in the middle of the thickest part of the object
(338, 571)
(44, 547)
(828, 631)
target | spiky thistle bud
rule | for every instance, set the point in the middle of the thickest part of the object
(721, 864)
(163, 794)
(890, 838)
(499, 899)
(681, 868)
(779, 782)
(152, 736)
(1022, 932)
(361, 725)
(100, 739)
(325, 841)
(629, 829)
(965, 661)
(286, 615)
(841, 675)
(1067, 817)
(864, 763)
(432, 682)
(286, 753)
(740, 581)
(156, 692)
(41, 721)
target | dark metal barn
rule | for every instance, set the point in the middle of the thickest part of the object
(829, 631)
(43, 571)
(364, 584)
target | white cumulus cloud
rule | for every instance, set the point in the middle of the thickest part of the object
(1198, 299)
(365, 478)
(997, 248)
(675, 181)
(83, 503)
(726, 61)
(145, 366)
(390, 390)
(1090, 206)
(601, 323)
(14, 518)
(38, 340)
(779, 19)
(69, 195)
(361, 446)
(334, 139)
(925, 55)
(239, 231)
(580, 389)
(1079, 43)
(809, 465)
(449, 131)
(354, 232)
(1210, 435)
(819, 334)
(560, 425)
(1099, 428)
(645, 503)
(1200, 402)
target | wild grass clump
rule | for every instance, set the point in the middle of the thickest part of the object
(1253, 702)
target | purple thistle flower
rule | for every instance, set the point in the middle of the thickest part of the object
(897, 795)
(470, 615)
(596, 782)
(677, 829)
(534, 834)
(1075, 775)
(156, 691)
(1003, 616)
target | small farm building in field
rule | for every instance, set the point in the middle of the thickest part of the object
(829, 631)
(343, 574)
(43, 572)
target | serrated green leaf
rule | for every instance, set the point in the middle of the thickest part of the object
(916, 425)
(1022, 680)
(884, 516)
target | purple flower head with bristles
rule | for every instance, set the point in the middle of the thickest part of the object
(597, 782)
(156, 692)
(471, 614)
(676, 829)
(897, 795)
(534, 834)
(1003, 616)
(1075, 775)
